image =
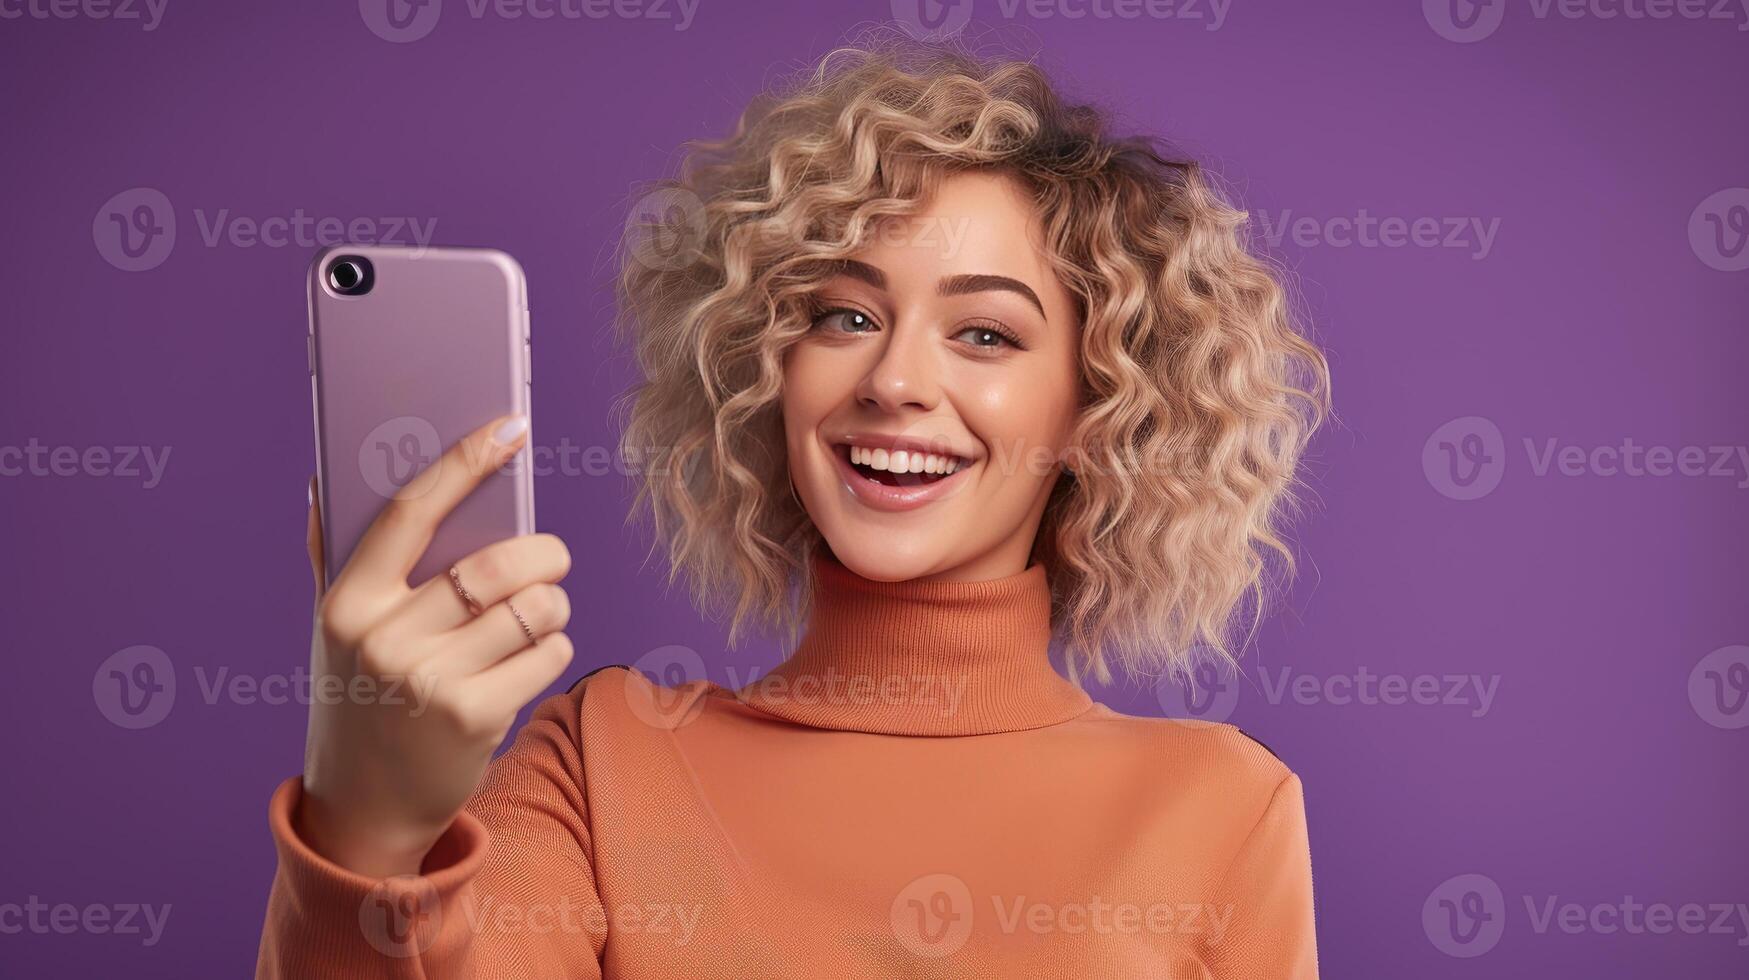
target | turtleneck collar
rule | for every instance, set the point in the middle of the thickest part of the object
(922, 658)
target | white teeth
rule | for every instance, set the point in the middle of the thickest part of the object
(902, 461)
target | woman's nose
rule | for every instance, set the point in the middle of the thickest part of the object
(904, 374)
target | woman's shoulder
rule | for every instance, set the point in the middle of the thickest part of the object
(616, 696)
(1210, 751)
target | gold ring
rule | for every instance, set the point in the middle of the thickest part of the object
(521, 622)
(455, 579)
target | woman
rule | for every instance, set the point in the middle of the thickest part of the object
(948, 373)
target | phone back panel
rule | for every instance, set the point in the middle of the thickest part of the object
(436, 348)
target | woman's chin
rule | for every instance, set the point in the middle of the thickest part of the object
(883, 556)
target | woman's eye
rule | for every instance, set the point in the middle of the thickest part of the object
(988, 337)
(845, 321)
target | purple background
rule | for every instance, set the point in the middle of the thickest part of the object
(1589, 599)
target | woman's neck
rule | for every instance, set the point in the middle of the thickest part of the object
(922, 657)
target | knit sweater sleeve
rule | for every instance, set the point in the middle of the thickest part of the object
(1267, 896)
(508, 891)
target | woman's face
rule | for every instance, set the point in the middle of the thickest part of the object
(946, 333)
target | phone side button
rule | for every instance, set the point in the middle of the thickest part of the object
(310, 353)
(527, 364)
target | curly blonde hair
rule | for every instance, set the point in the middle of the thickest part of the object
(1199, 394)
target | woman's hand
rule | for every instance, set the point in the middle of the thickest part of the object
(413, 691)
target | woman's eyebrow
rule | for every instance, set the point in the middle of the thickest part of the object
(861, 270)
(949, 285)
(960, 285)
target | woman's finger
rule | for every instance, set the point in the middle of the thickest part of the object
(495, 571)
(515, 681)
(499, 631)
(397, 539)
(313, 542)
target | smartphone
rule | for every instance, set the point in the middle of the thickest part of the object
(409, 350)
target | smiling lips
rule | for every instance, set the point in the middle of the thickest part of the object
(892, 468)
(894, 480)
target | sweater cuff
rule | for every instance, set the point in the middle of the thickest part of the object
(332, 915)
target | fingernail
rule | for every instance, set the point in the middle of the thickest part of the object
(511, 430)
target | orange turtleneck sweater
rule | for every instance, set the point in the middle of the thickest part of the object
(915, 792)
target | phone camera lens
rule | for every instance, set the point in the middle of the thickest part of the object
(350, 275)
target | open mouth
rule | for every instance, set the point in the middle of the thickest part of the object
(900, 468)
